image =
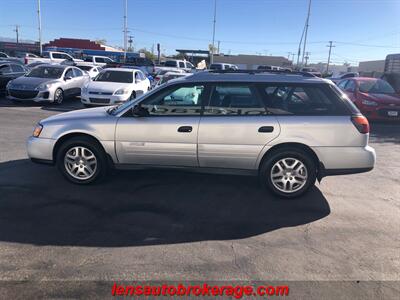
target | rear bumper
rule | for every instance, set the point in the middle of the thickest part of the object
(345, 160)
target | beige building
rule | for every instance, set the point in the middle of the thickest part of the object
(372, 66)
(251, 62)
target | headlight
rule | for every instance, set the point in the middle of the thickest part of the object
(369, 103)
(37, 130)
(121, 92)
(43, 86)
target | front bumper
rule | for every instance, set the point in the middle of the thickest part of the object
(31, 95)
(97, 99)
(40, 149)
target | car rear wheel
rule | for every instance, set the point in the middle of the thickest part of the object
(58, 96)
(288, 173)
(82, 160)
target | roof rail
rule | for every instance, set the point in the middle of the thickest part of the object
(304, 74)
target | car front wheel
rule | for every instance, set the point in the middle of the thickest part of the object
(58, 96)
(288, 173)
(81, 160)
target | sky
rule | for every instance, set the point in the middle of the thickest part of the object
(360, 29)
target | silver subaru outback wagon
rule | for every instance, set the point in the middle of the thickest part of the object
(287, 128)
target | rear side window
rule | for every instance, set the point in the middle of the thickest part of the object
(302, 100)
(181, 64)
(234, 100)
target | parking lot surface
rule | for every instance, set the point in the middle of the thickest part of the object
(169, 225)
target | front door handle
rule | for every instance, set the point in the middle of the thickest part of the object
(185, 129)
(266, 129)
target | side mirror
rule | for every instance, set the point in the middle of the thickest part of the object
(66, 78)
(139, 111)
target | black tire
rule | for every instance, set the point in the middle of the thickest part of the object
(133, 95)
(87, 105)
(58, 96)
(287, 153)
(88, 143)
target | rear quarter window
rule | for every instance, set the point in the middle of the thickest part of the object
(302, 99)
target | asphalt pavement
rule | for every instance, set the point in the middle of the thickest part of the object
(178, 226)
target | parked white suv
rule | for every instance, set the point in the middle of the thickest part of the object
(115, 85)
(289, 129)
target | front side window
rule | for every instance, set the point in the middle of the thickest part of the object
(17, 68)
(58, 56)
(234, 100)
(77, 72)
(350, 86)
(99, 59)
(69, 73)
(5, 69)
(176, 101)
(301, 100)
(342, 84)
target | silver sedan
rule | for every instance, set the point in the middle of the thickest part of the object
(47, 83)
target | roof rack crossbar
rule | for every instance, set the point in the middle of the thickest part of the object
(305, 74)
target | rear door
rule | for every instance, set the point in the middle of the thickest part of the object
(168, 134)
(235, 127)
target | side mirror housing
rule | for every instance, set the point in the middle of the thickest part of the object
(139, 111)
(66, 78)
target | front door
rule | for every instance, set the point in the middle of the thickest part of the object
(168, 134)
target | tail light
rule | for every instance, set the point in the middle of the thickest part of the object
(157, 78)
(361, 123)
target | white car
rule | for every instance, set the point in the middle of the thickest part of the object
(171, 75)
(92, 70)
(115, 85)
(98, 60)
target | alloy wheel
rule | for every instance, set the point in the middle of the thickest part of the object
(289, 175)
(80, 163)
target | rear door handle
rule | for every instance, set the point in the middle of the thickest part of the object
(185, 129)
(266, 129)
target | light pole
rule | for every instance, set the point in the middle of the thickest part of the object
(213, 37)
(40, 27)
(125, 28)
(329, 56)
(306, 31)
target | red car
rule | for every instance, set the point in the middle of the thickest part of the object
(375, 98)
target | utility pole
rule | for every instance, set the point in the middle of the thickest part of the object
(125, 28)
(213, 37)
(306, 57)
(17, 32)
(40, 27)
(293, 54)
(130, 41)
(329, 56)
(219, 43)
(306, 31)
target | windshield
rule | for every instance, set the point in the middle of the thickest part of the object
(115, 76)
(121, 107)
(378, 86)
(85, 68)
(46, 72)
